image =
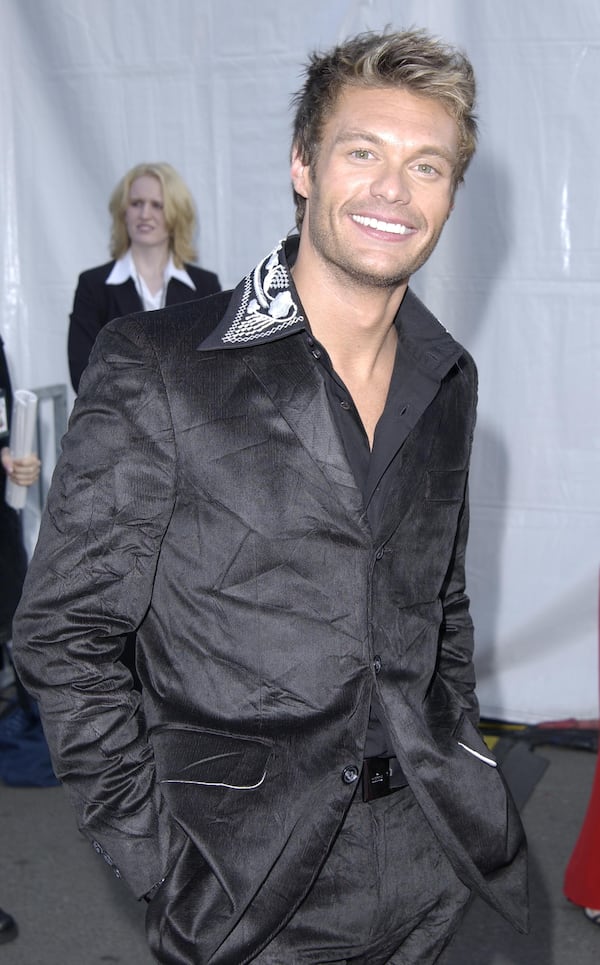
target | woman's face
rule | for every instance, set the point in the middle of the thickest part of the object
(144, 215)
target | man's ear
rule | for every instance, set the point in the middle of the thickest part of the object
(453, 198)
(300, 175)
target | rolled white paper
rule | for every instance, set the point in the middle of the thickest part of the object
(22, 435)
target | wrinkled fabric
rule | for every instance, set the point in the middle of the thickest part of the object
(365, 917)
(203, 499)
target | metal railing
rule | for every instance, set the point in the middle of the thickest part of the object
(51, 425)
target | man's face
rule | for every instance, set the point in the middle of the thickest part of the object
(382, 186)
(144, 215)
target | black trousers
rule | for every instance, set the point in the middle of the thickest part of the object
(387, 894)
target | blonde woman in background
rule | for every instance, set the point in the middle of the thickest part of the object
(153, 227)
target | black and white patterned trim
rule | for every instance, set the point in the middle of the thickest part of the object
(267, 304)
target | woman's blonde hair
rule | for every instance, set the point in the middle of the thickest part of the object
(180, 213)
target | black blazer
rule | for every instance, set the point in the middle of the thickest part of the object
(203, 498)
(97, 303)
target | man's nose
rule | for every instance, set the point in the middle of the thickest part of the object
(392, 184)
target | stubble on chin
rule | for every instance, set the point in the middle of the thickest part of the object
(354, 270)
(351, 267)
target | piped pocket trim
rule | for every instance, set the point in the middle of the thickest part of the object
(481, 757)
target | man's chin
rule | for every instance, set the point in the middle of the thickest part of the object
(377, 277)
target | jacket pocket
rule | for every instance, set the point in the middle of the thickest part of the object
(470, 741)
(193, 756)
(478, 754)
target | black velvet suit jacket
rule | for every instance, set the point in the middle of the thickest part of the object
(97, 303)
(204, 499)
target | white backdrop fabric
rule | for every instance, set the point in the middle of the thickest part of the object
(91, 87)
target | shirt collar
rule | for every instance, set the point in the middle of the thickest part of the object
(124, 268)
(264, 306)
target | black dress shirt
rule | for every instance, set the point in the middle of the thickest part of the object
(367, 466)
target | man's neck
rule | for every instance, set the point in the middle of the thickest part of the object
(353, 321)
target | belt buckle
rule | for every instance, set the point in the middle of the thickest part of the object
(376, 775)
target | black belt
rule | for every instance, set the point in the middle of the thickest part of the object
(381, 776)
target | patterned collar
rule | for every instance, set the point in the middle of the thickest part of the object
(264, 306)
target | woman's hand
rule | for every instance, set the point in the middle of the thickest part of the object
(24, 471)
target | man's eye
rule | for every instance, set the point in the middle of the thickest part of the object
(362, 154)
(424, 168)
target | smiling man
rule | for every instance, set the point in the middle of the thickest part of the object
(383, 186)
(270, 487)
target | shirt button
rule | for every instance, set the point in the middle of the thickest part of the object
(379, 553)
(345, 405)
(377, 664)
(316, 353)
(350, 774)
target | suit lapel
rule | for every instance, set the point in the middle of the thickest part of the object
(126, 298)
(422, 388)
(426, 354)
(178, 292)
(406, 473)
(265, 316)
(288, 374)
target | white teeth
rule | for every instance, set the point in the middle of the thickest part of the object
(394, 229)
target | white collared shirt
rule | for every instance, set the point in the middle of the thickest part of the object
(125, 268)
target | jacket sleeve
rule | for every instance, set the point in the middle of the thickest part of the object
(89, 315)
(89, 583)
(457, 640)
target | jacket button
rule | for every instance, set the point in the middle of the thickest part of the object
(350, 774)
(379, 553)
(377, 664)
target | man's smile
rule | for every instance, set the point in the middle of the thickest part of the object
(390, 227)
